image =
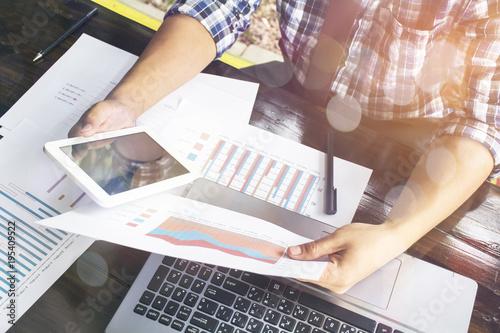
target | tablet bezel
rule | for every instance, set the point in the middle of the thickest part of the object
(95, 191)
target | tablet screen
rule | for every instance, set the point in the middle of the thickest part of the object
(127, 162)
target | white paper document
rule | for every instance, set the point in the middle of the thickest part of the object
(183, 228)
(32, 257)
(266, 166)
(90, 69)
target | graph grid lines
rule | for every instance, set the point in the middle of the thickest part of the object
(253, 173)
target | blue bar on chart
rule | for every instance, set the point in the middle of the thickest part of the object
(33, 243)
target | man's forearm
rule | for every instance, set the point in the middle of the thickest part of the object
(180, 49)
(448, 173)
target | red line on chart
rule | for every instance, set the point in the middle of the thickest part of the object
(277, 181)
(290, 187)
(228, 159)
(77, 200)
(6, 189)
(304, 193)
(251, 172)
(214, 153)
(270, 165)
(238, 167)
(56, 183)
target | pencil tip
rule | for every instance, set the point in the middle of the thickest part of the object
(38, 56)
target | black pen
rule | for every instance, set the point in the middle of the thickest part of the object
(331, 191)
(65, 34)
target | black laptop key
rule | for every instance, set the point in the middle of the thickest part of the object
(331, 325)
(272, 317)
(220, 295)
(174, 276)
(158, 278)
(276, 287)
(235, 273)
(169, 261)
(225, 328)
(179, 294)
(287, 323)
(344, 328)
(171, 308)
(236, 286)
(224, 313)
(205, 273)
(208, 306)
(271, 300)
(303, 328)
(152, 314)
(242, 304)
(285, 306)
(198, 286)
(223, 269)
(204, 322)
(159, 303)
(260, 281)
(291, 293)
(257, 310)
(140, 309)
(270, 329)
(191, 299)
(239, 320)
(217, 279)
(338, 312)
(147, 297)
(186, 281)
(181, 264)
(192, 329)
(300, 312)
(183, 313)
(177, 325)
(317, 330)
(167, 289)
(316, 319)
(381, 328)
(193, 268)
(165, 320)
(256, 294)
(254, 326)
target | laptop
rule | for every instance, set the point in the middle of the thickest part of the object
(176, 295)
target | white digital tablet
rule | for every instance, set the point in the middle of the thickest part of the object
(120, 166)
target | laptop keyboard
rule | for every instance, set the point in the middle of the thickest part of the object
(194, 297)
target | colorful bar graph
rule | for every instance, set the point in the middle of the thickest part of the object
(250, 172)
(33, 244)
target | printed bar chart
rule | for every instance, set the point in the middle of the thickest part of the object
(183, 232)
(34, 244)
(253, 173)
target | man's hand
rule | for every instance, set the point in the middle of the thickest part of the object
(447, 174)
(102, 117)
(355, 251)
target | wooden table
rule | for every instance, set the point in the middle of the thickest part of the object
(468, 242)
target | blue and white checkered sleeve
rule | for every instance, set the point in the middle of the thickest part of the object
(225, 20)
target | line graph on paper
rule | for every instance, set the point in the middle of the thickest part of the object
(185, 232)
(243, 169)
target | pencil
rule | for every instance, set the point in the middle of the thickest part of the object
(68, 32)
(331, 191)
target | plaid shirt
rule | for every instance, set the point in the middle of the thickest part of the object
(405, 59)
